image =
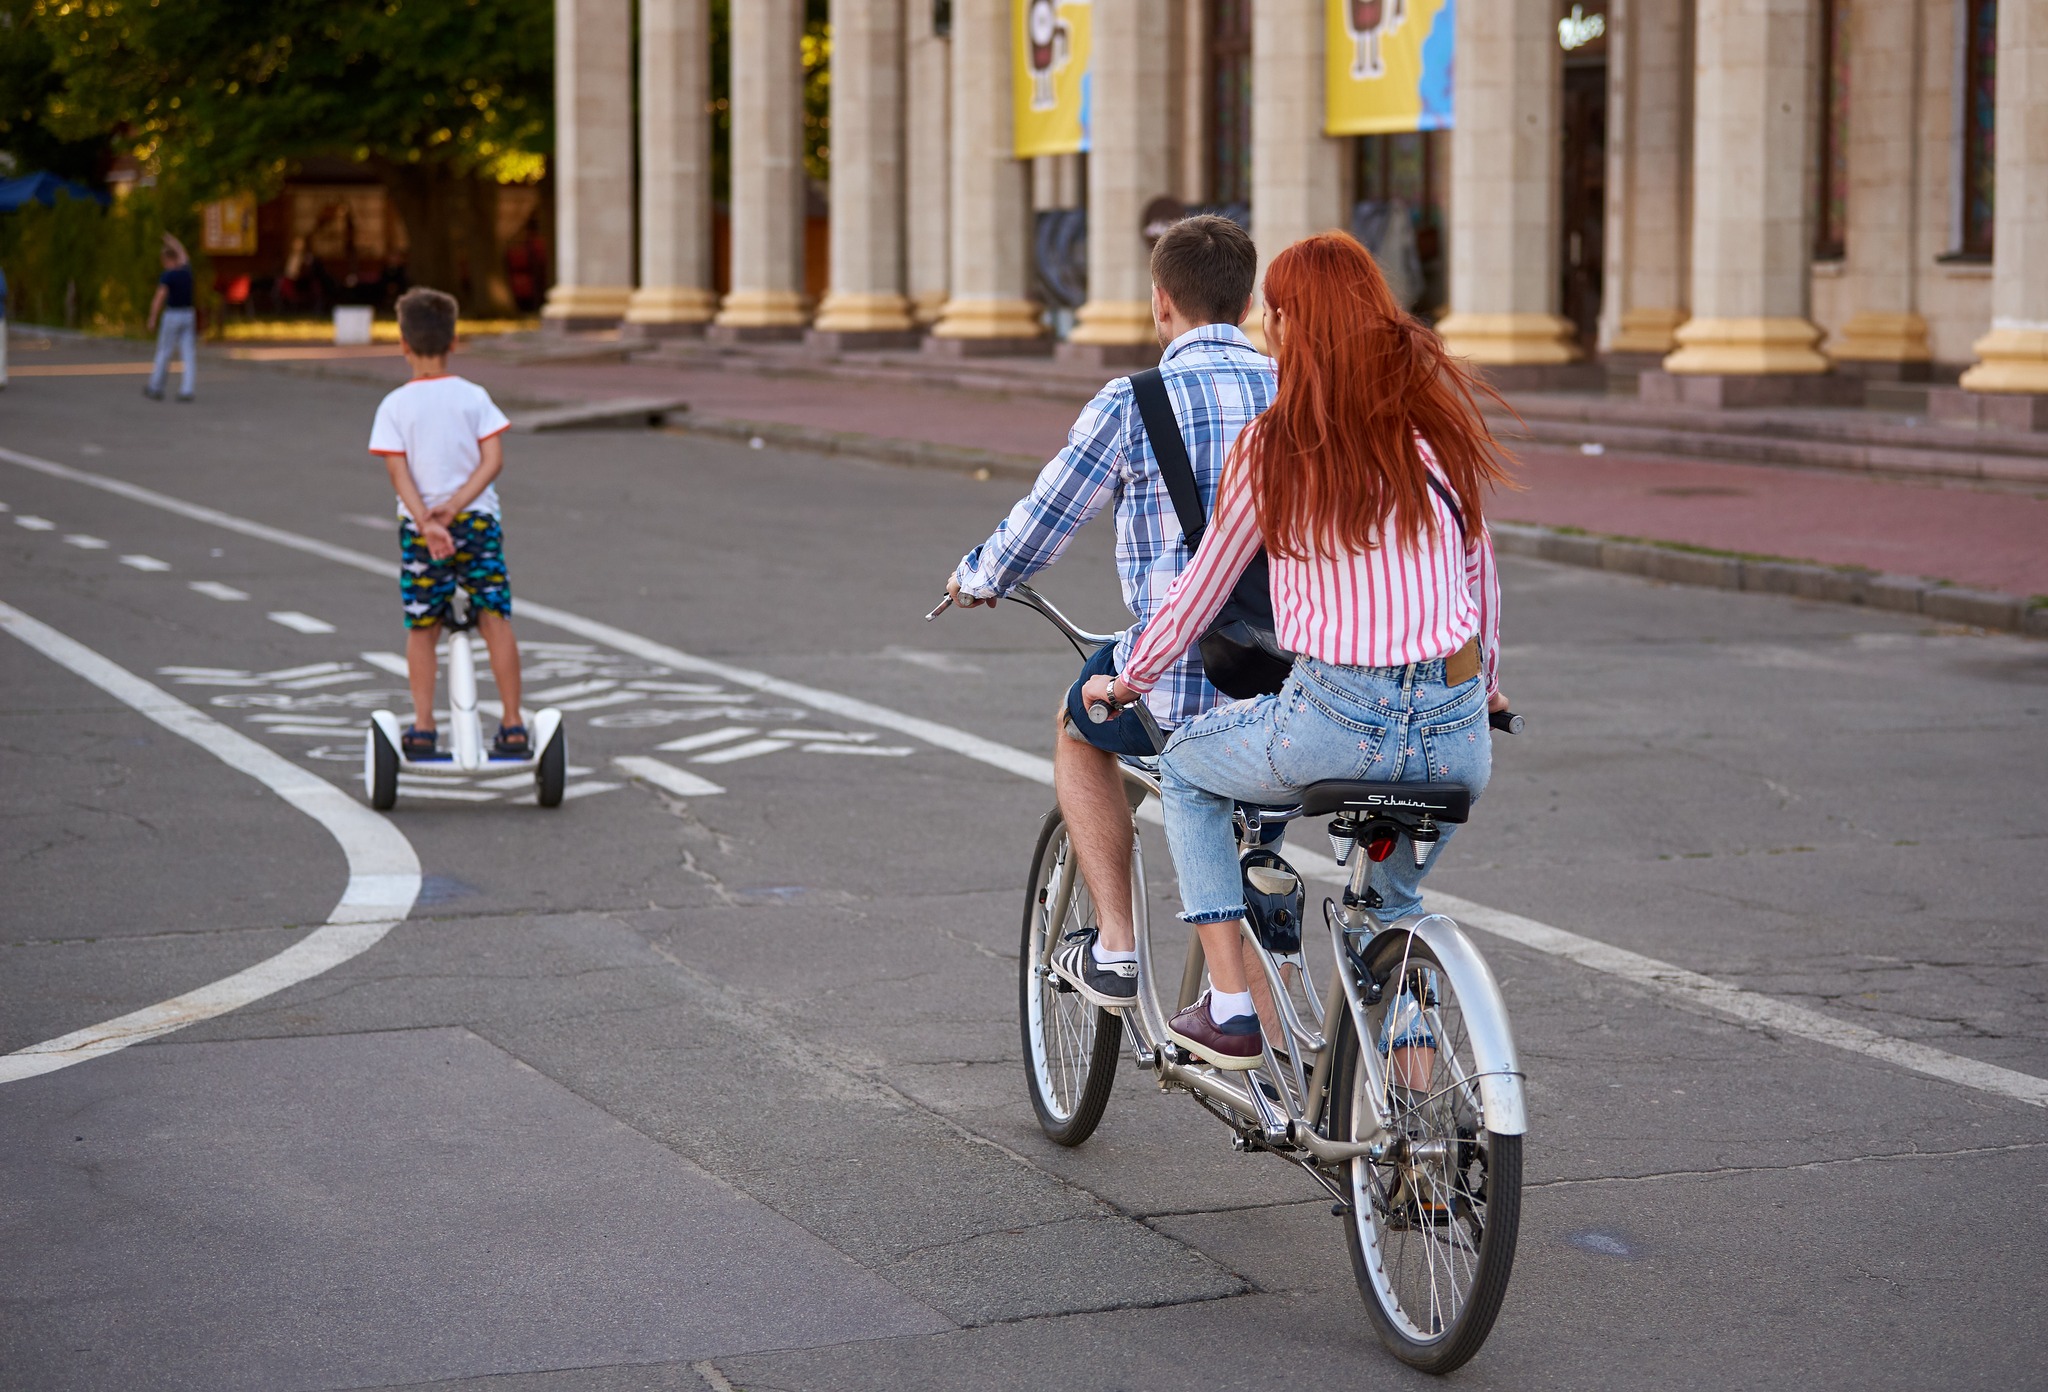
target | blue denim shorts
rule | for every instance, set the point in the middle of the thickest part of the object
(1126, 734)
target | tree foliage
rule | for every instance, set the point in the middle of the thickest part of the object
(444, 98)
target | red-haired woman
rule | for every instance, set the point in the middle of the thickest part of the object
(1365, 482)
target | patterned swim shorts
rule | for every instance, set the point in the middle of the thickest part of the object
(478, 565)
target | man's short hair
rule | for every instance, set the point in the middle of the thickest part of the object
(426, 321)
(1206, 265)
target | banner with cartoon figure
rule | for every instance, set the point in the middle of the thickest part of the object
(1049, 78)
(1387, 66)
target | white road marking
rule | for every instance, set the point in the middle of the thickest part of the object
(84, 542)
(693, 689)
(387, 662)
(666, 776)
(1673, 982)
(311, 669)
(303, 623)
(325, 679)
(610, 698)
(202, 672)
(142, 562)
(34, 523)
(383, 880)
(732, 754)
(934, 661)
(317, 731)
(327, 720)
(828, 736)
(416, 790)
(707, 739)
(213, 589)
(585, 789)
(884, 751)
(569, 692)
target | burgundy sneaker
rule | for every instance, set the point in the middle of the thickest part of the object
(1235, 1044)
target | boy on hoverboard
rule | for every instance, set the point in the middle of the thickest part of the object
(441, 437)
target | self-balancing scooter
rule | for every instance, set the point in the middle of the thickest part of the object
(384, 759)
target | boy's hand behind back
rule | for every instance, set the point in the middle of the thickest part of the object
(440, 543)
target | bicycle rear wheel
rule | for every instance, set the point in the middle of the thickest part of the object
(1433, 1223)
(1070, 1045)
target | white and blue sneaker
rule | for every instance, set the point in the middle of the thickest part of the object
(1111, 985)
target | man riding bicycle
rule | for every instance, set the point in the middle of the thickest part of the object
(1203, 270)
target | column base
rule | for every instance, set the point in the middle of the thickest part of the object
(1647, 331)
(673, 311)
(2010, 360)
(1108, 354)
(580, 308)
(856, 313)
(1738, 390)
(1511, 340)
(1988, 410)
(1747, 347)
(926, 306)
(973, 320)
(1115, 323)
(860, 340)
(1884, 348)
(761, 309)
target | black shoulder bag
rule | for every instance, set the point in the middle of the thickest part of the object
(1239, 652)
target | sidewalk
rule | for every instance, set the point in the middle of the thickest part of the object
(1007, 419)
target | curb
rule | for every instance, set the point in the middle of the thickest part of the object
(1668, 562)
(1679, 565)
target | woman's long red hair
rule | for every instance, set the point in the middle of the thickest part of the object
(1362, 384)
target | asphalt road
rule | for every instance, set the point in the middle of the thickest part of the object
(660, 1091)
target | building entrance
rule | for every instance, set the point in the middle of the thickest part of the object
(1583, 180)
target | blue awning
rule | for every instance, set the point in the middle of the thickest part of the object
(43, 189)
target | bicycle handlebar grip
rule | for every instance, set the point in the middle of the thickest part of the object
(1507, 722)
(1099, 712)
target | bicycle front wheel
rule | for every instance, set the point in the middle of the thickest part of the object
(1070, 1045)
(1433, 1222)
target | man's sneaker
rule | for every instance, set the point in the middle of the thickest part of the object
(1235, 1044)
(1111, 985)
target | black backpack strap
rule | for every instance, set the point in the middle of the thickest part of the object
(1155, 409)
(1448, 498)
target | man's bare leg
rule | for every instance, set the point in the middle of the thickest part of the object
(1090, 790)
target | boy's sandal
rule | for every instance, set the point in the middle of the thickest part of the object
(512, 742)
(416, 743)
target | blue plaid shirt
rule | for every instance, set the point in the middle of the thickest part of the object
(1217, 382)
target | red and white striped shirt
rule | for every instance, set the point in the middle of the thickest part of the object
(1394, 604)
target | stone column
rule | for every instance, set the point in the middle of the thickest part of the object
(2013, 357)
(865, 306)
(675, 294)
(1507, 93)
(767, 299)
(1649, 180)
(1752, 198)
(1885, 335)
(928, 172)
(593, 165)
(989, 308)
(1299, 180)
(1129, 164)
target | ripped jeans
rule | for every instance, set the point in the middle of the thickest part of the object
(1385, 724)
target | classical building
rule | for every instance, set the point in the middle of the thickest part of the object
(1730, 201)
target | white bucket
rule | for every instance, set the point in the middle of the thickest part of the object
(351, 325)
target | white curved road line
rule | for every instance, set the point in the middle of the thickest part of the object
(383, 872)
(1679, 985)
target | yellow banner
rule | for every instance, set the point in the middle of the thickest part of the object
(1387, 66)
(228, 225)
(1049, 79)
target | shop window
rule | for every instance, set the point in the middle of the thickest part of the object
(1398, 212)
(1979, 184)
(1230, 102)
(1831, 177)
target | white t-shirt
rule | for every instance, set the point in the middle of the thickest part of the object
(439, 424)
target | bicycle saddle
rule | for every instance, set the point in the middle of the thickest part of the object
(1446, 802)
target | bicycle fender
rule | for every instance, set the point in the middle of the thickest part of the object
(1486, 1019)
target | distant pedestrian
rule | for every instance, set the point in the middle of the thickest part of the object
(173, 305)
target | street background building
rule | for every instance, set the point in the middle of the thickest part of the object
(1714, 202)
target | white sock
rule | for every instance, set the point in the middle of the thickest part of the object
(1228, 1005)
(1103, 956)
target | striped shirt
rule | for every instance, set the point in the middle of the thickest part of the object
(1386, 607)
(1217, 383)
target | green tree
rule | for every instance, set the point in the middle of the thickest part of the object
(445, 99)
